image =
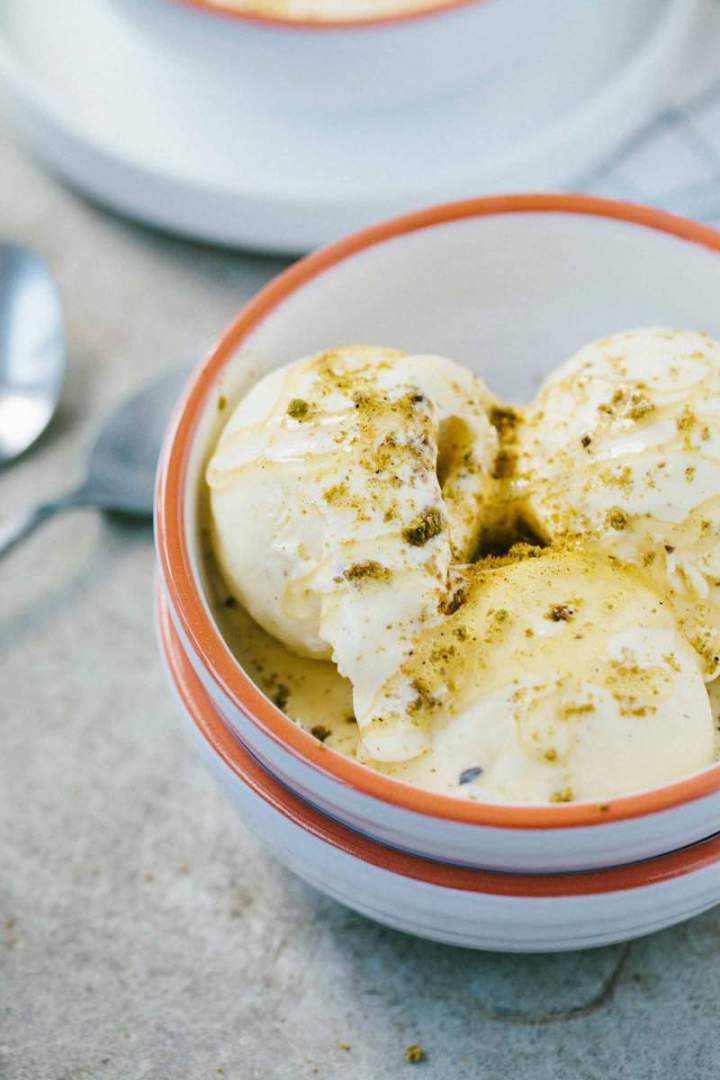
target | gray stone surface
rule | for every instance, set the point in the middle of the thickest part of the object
(143, 935)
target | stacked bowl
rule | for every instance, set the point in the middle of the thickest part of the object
(507, 285)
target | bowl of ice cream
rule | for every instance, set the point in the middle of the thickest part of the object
(457, 905)
(414, 578)
(331, 55)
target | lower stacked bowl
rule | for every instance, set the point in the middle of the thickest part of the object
(478, 909)
(508, 285)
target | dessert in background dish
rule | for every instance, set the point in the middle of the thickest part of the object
(331, 10)
(621, 451)
(475, 599)
(342, 490)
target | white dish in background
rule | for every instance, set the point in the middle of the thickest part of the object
(407, 58)
(508, 286)
(123, 116)
(476, 909)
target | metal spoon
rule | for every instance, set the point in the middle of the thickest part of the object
(32, 349)
(122, 463)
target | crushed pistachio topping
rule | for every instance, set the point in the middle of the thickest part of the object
(505, 464)
(449, 605)
(424, 527)
(686, 420)
(504, 419)
(424, 700)
(298, 409)
(367, 571)
(561, 612)
(616, 518)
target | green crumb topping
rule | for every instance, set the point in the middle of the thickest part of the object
(425, 701)
(686, 420)
(320, 732)
(616, 518)
(414, 1054)
(424, 527)
(504, 419)
(640, 408)
(565, 795)
(222, 403)
(452, 603)
(582, 709)
(505, 464)
(335, 494)
(298, 409)
(367, 571)
(560, 613)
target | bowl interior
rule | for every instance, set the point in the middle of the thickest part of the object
(506, 288)
(508, 295)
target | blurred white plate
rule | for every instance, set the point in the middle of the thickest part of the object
(124, 120)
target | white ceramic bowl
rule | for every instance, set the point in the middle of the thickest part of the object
(389, 60)
(475, 908)
(509, 286)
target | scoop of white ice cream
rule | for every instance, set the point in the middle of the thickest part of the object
(560, 676)
(342, 488)
(621, 449)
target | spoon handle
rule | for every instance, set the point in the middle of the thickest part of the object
(22, 524)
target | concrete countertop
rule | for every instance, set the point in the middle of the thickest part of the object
(143, 934)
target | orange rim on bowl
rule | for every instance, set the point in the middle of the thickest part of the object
(184, 590)
(228, 748)
(358, 22)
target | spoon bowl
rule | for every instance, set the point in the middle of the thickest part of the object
(121, 467)
(32, 350)
(122, 463)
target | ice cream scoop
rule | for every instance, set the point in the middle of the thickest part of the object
(621, 450)
(342, 489)
(560, 676)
